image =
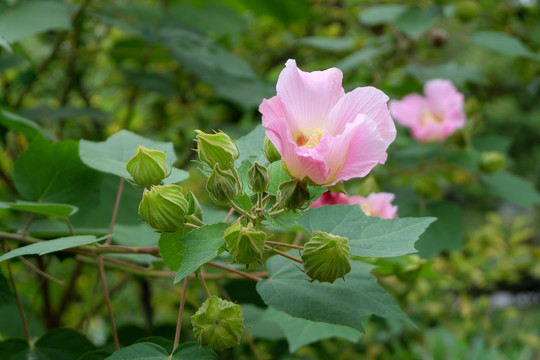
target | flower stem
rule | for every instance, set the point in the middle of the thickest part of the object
(201, 278)
(277, 212)
(108, 300)
(70, 228)
(238, 272)
(242, 211)
(180, 311)
(193, 226)
(285, 255)
(292, 246)
(115, 210)
(197, 220)
(229, 214)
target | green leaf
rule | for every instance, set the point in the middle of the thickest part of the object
(171, 249)
(258, 325)
(380, 14)
(287, 221)
(244, 202)
(415, 20)
(151, 351)
(112, 155)
(368, 236)
(49, 246)
(251, 146)
(502, 43)
(360, 57)
(277, 176)
(30, 18)
(328, 43)
(5, 45)
(21, 124)
(300, 332)
(345, 302)
(60, 210)
(95, 355)
(458, 74)
(512, 188)
(64, 179)
(199, 246)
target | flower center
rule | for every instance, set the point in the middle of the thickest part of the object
(365, 208)
(312, 141)
(429, 117)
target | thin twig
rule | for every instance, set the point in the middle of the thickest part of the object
(297, 238)
(39, 271)
(28, 223)
(180, 311)
(197, 220)
(244, 274)
(276, 212)
(193, 226)
(286, 255)
(292, 246)
(108, 299)
(70, 228)
(17, 299)
(229, 214)
(201, 278)
(115, 210)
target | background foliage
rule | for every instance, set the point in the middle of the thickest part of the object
(74, 70)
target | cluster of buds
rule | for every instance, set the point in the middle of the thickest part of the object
(218, 324)
(245, 244)
(326, 257)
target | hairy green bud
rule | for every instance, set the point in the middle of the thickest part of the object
(218, 324)
(326, 257)
(270, 151)
(216, 148)
(492, 161)
(221, 185)
(258, 178)
(194, 208)
(245, 244)
(147, 166)
(292, 194)
(164, 207)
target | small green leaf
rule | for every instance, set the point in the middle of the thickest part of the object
(415, 21)
(502, 43)
(328, 43)
(171, 249)
(21, 124)
(34, 17)
(200, 246)
(60, 210)
(368, 236)
(300, 332)
(112, 155)
(345, 302)
(512, 188)
(49, 246)
(380, 14)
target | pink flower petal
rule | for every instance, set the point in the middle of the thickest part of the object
(442, 95)
(377, 204)
(308, 97)
(331, 198)
(368, 101)
(409, 110)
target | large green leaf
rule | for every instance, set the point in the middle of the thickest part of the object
(368, 236)
(60, 210)
(512, 188)
(21, 124)
(300, 332)
(56, 344)
(49, 246)
(33, 17)
(194, 249)
(380, 14)
(251, 146)
(345, 302)
(151, 351)
(112, 155)
(53, 173)
(502, 43)
(415, 20)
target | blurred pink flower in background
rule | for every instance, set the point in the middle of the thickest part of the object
(433, 117)
(322, 133)
(375, 204)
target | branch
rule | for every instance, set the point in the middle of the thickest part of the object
(238, 272)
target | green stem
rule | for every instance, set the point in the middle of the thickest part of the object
(115, 210)
(277, 212)
(197, 220)
(285, 255)
(292, 246)
(108, 300)
(242, 211)
(238, 272)
(201, 278)
(179, 321)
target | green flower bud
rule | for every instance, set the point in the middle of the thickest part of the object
(216, 148)
(218, 324)
(492, 161)
(258, 178)
(147, 166)
(221, 185)
(194, 208)
(245, 244)
(326, 257)
(292, 194)
(164, 207)
(270, 151)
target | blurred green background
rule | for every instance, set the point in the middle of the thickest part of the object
(86, 69)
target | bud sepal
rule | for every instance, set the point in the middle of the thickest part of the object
(326, 257)
(148, 166)
(221, 185)
(245, 244)
(258, 178)
(293, 194)
(217, 148)
(164, 207)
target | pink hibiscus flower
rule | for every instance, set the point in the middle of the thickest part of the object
(433, 117)
(330, 198)
(322, 133)
(377, 204)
